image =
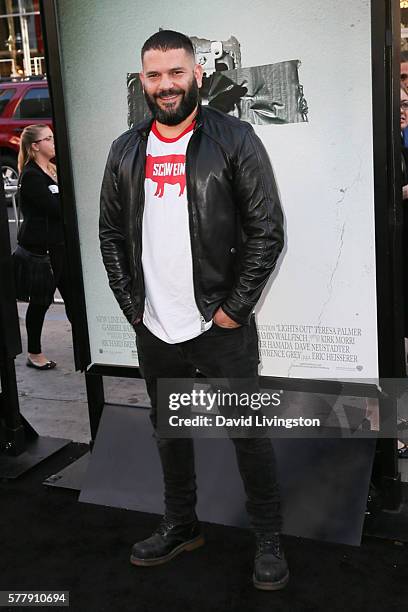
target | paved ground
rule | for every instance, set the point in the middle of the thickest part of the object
(54, 401)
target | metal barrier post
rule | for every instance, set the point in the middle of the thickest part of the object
(10, 189)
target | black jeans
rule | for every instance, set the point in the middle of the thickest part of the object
(217, 353)
(36, 312)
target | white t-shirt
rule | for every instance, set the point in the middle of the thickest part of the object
(171, 312)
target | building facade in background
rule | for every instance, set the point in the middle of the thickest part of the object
(21, 41)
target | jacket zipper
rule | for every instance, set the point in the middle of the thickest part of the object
(139, 222)
(192, 240)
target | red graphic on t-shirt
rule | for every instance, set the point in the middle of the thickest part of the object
(166, 169)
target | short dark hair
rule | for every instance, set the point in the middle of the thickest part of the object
(404, 56)
(168, 39)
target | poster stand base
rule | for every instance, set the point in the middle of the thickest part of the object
(35, 451)
(72, 476)
(392, 494)
(324, 495)
(21, 448)
(390, 524)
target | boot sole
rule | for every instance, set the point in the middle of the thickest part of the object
(185, 546)
(271, 586)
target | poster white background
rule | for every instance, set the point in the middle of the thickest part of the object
(324, 288)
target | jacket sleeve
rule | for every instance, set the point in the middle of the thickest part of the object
(37, 198)
(112, 240)
(262, 223)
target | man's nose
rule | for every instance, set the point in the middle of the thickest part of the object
(166, 82)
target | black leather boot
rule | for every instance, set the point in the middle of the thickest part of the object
(169, 539)
(271, 571)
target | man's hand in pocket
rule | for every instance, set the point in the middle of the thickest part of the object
(223, 320)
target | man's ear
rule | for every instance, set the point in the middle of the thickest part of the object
(198, 73)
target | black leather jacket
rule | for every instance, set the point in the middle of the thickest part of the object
(236, 225)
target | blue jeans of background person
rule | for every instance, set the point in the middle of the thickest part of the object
(217, 353)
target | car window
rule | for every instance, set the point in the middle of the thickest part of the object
(34, 105)
(5, 96)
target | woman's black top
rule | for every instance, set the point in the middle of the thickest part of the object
(40, 204)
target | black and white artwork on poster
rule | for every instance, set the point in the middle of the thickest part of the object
(268, 94)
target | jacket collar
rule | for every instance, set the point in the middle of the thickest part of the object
(144, 127)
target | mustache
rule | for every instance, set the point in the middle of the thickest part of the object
(169, 92)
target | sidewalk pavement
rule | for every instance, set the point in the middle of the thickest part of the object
(54, 401)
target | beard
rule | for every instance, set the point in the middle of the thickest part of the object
(174, 115)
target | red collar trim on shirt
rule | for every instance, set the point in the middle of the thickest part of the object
(163, 139)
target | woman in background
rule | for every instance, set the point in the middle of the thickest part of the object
(41, 231)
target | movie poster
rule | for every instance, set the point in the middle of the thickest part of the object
(300, 73)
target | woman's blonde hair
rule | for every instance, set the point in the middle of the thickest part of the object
(29, 135)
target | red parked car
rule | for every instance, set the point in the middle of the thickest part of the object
(21, 103)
